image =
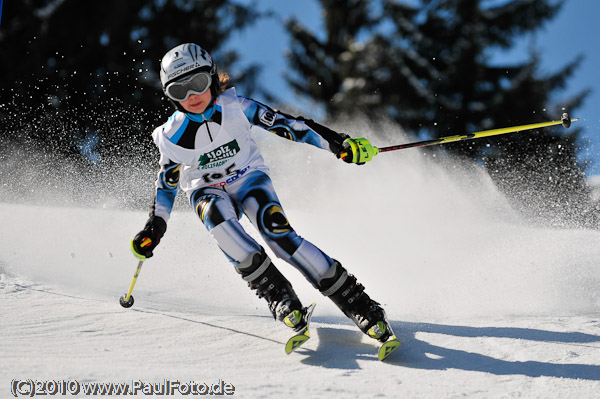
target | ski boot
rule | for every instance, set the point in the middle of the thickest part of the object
(269, 283)
(343, 289)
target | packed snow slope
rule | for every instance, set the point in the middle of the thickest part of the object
(487, 304)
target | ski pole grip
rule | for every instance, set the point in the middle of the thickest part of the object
(136, 254)
(359, 149)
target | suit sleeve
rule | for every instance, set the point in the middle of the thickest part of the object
(166, 188)
(292, 128)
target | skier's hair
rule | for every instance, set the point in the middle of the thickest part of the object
(223, 81)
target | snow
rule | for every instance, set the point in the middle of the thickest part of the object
(487, 305)
(594, 185)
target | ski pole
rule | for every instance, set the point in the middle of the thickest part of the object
(127, 299)
(565, 121)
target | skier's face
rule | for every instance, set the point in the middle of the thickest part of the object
(197, 103)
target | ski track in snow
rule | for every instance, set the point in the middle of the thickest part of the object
(486, 305)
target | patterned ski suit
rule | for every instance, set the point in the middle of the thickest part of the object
(215, 161)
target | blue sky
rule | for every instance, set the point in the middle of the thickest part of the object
(573, 32)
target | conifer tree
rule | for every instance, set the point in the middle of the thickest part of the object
(539, 169)
(428, 67)
(331, 69)
(74, 72)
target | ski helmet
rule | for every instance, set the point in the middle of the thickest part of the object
(185, 60)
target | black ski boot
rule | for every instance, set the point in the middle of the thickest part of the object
(270, 284)
(343, 289)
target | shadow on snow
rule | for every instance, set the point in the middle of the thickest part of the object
(342, 348)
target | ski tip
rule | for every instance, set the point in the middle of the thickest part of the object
(388, 347)
(309, 310)
(295, 342)
(303, 335)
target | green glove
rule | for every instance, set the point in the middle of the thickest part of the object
(358, 151)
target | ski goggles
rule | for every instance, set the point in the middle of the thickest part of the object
(182, 89)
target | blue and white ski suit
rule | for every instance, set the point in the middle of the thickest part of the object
(215, 161)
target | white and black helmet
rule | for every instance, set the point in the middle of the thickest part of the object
(185, 60)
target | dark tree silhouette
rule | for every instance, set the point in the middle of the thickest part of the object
(428, 68)
(85, 74)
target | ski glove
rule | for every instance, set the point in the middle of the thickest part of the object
(146, 240)
(357, 151)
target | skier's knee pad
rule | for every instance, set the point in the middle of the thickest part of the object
(208, 213)
(213, 207)
(277, 232)
(341, 287)
(213, 210)
(273, 222)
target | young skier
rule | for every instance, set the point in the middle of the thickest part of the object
(206, 150)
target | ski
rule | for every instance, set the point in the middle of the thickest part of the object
(296, 341)
(388, 347)
(391, 343)
(301, 336)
